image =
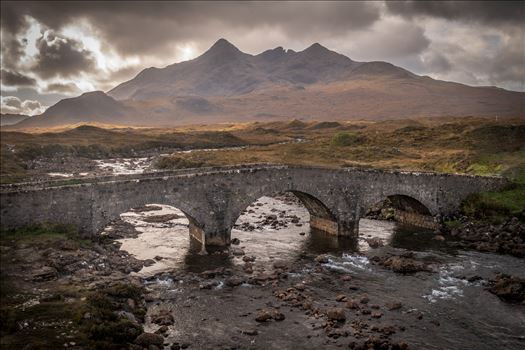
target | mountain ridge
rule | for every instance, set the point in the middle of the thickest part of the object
(225, 84)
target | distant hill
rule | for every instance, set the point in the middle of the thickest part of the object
(93, 106)
(10, 119)
(226, 85)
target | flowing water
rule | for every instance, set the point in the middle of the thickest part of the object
(469, 317)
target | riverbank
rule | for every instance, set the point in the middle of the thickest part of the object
(280, 286)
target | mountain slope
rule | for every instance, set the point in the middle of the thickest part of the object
(224, 70)
(227, 85)
(10, 119)
(93, 106)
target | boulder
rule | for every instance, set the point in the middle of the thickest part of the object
(336, 314)
(147, 339)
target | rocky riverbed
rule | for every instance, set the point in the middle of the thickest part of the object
(143, 284)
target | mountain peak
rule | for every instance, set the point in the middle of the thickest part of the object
(223, 45)
(316, 47)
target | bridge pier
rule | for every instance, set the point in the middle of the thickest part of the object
(335, 228)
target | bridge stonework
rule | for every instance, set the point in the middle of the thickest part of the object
(213, 198)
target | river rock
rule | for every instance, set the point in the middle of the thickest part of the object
(147, 339)
(234, 281)
(280, 265)
(401, 264)
(45, 273)
(322, 259)
(393, 305)
(237, 251)
(235, 241)
(263, 316)
(375, 242)
(336, 314)
(163, 318)
(508, 288)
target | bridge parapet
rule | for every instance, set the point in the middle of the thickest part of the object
(213, 198)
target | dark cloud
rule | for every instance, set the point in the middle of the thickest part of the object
(62, 57)
(491, 12)
(143, 26)
(9, 78)
(146, 33)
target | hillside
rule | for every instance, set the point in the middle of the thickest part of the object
(226, 85)
(10, 119)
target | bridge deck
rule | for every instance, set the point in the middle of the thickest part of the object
(86, 180)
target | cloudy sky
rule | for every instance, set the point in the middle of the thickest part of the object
(53, 50)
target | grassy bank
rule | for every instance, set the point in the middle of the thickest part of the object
(497, 207)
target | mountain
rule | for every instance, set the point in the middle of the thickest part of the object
(224, 70)
(10, 119)
(225, 84)
(93, 106)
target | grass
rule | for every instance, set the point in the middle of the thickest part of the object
(498, 206)
(469, 145)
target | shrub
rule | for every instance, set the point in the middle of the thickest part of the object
(342, 139)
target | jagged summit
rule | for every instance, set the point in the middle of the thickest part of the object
(224, 70)
(222, 47)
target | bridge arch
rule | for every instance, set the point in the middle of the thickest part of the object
(407, 208)
(322, 207)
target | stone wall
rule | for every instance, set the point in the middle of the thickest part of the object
(213, 198)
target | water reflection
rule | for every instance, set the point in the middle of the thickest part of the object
(273, 228)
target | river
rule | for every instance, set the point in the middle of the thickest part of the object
(448, 308)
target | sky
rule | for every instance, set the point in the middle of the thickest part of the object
(52, 50)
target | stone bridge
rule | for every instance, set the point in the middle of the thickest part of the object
(213, 198)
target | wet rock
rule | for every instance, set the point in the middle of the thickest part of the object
(508, 288)
(401, 264)
(208, 274)
(263, 316)
(237, 251)
(147, 339)
(208, 285)
(336, 314)
(235, 241)
(247, 258)
(158, 258)
(376, 314)
(375, 242)
(352, 304)
(322, 259)
(280, 265)
(393, 305)
(277, 315)
(439, 238)
(45, 273)
(302, 233)
(341, 298)
(233, 281)
(163, 318)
